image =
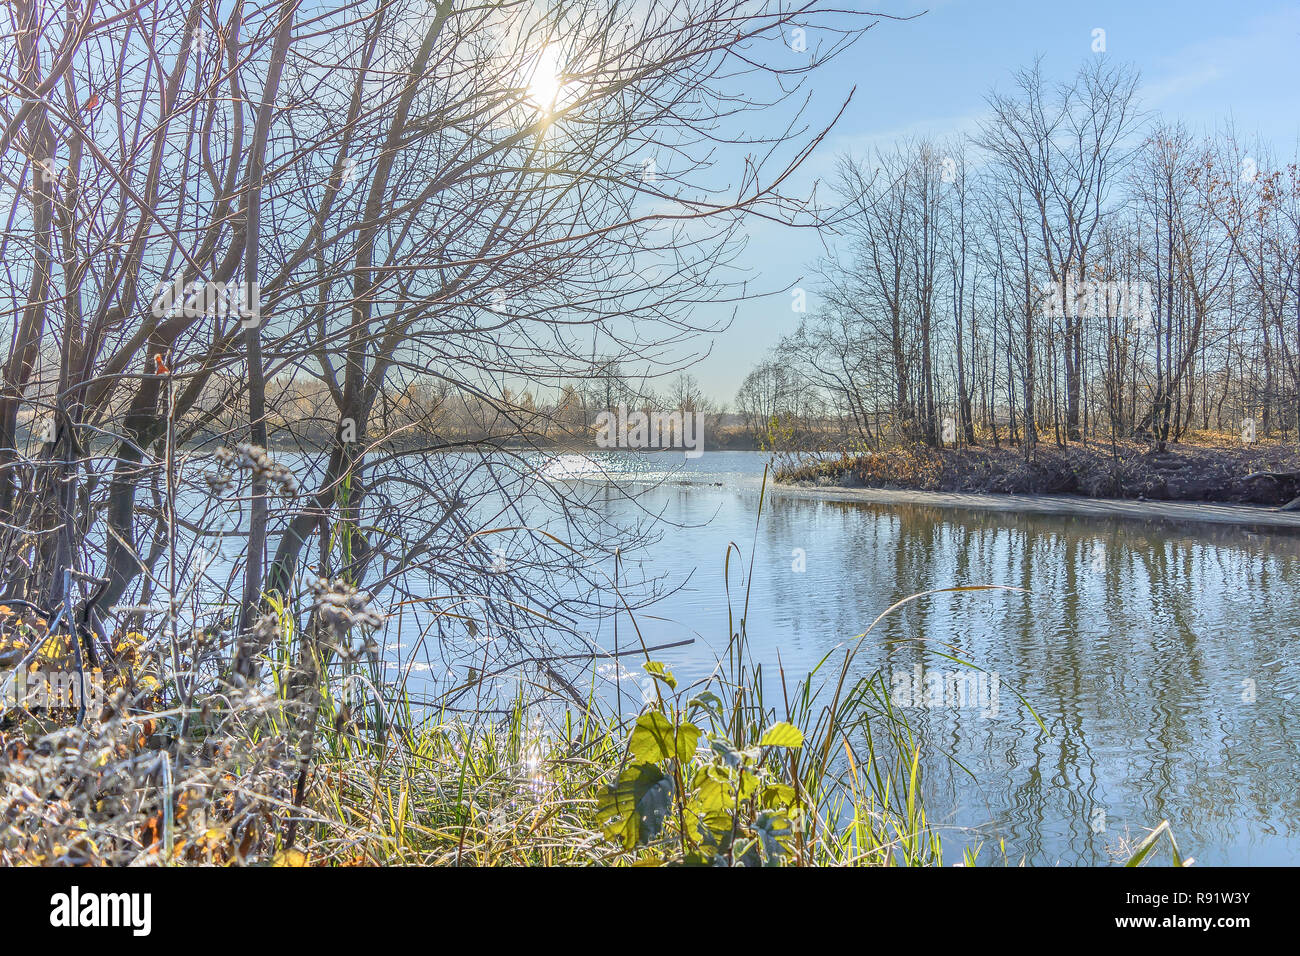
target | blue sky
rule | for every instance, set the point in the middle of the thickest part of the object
(1201, 62)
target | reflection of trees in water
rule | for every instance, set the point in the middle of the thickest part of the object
(1135, 663)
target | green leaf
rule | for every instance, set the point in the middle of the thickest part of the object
(746, 783)
(633, 810)
(745, 852)
(1146, 846)
(777, 796)
(782, 734)
(774, 832)
(707, 827)
(654, 738)
(688, 737)
(712, 791)
(659, 672)
(728, 754)
(707, 701)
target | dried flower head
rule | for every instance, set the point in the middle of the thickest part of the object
(252, 458)
(341, 607)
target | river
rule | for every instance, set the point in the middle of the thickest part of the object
(1160, 657)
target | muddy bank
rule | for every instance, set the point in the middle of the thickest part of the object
(1223, 473)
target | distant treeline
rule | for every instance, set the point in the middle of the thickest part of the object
(1073, 269)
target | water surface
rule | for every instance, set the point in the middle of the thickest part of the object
(1159, 657)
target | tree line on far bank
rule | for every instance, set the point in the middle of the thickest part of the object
(1073, 270)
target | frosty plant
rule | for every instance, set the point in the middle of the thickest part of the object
(251, 458)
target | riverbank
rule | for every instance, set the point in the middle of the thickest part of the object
(1172, 512)
(122, 767)
(1216, 472)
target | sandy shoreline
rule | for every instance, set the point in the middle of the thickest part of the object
(1175, 512)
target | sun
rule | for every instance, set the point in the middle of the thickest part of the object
(546, 81)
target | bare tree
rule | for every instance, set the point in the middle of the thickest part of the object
(409, 222)
(1064, 148)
